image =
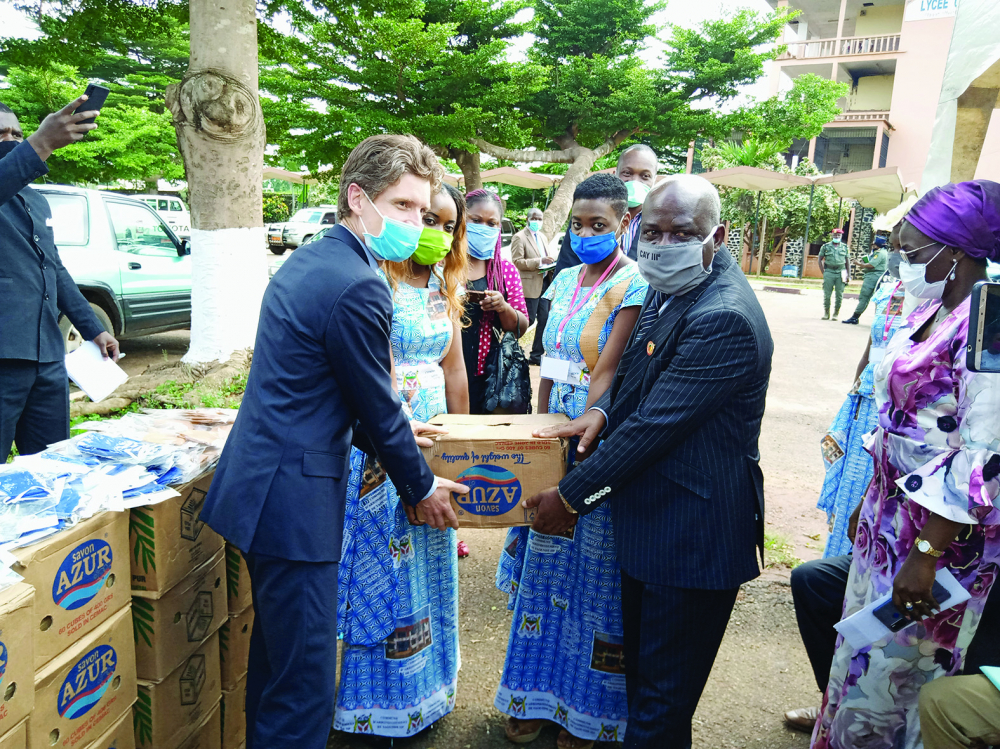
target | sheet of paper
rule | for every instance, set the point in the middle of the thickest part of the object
(992, 673)
(862, 628)
(94, 375)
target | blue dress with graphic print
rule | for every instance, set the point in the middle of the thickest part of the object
(398, 586)
(564, 658)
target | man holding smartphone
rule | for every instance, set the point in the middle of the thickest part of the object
(35, 288)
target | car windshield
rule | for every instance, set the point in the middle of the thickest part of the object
(307, 216)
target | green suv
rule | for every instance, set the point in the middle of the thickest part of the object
(126, 260)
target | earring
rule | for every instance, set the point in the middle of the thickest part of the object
(952, 276)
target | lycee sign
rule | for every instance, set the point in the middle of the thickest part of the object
(922, 10)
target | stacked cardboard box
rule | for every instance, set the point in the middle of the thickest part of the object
(17, 664)
(81, 624)
(179, 592)
(235, 650)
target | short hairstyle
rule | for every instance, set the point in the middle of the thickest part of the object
(641, 148)
(380, 161)
(5, 109)
(706, 192)
(606, 187)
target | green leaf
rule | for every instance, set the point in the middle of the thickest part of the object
(141, 524)
(142, 718)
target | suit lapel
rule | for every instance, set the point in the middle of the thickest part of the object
(529, 235)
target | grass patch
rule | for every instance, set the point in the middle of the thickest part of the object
(778, 552)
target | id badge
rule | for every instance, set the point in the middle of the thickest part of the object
(876, 355)
(556, 370)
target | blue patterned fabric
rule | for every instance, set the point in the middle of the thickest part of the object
(398, 602)
(849, 467)
(565, 655)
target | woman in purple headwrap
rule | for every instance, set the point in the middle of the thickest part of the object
(932, 503)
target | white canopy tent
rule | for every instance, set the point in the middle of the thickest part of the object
(881, 189)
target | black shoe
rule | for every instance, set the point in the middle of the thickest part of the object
(851, 321)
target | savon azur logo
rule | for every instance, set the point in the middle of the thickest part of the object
(492, 490)
(81, 574)
(87, 682)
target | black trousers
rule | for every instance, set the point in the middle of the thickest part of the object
(532, 305)
(818, 589)
(34, 405)
(672, 636)
(542, 315)
(292, 667)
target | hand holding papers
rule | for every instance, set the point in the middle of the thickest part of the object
(96, 376)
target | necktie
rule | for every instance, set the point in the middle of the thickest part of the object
(649, 315)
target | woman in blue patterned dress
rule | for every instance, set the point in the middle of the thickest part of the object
(564, 658)
(398, 596)
(849, 467)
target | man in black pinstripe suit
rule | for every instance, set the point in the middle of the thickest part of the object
(678, 462)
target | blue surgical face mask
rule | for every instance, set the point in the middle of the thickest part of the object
(535, 225)
(593, 249)
(397, 240)
(482, 240)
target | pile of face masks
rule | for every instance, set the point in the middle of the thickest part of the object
(115, 465)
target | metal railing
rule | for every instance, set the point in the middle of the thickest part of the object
(845, 47)
(856, 116)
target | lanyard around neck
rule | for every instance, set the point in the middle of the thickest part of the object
(573, 306)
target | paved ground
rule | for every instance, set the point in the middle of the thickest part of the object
(762, 668)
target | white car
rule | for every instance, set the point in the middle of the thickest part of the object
(173, 211)
(300, 228)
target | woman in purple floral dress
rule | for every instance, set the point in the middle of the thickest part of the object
(933, 500)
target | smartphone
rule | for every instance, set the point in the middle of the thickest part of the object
(890, 616)
(475, 297)
(96, 96)
(983, 349)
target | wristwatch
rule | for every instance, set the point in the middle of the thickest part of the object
(924, 547)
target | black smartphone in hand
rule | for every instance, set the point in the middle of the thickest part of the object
(890, 616)
(96, 96)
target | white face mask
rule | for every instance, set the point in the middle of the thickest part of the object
(674, 269)
(914, 277)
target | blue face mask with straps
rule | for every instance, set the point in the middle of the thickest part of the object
(397, 240)
(593, 249)
(482, 240)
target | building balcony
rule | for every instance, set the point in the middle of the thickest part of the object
(872, 116)
(851, 46)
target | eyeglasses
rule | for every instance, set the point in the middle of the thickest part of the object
(906, 253)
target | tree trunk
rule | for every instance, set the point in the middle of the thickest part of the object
(468, 162)
(220, 133)
(570, 152)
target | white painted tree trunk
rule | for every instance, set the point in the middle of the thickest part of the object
(220, 132)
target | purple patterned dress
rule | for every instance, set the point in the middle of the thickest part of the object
(935, 451)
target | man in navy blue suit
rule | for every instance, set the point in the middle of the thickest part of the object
(320, 379)
(678, 461)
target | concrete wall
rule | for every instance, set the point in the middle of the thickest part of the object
(919, 72)
(873, 93)
(887, 19)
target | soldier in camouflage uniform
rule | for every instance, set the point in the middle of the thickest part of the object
(833, 260)
(874, 269)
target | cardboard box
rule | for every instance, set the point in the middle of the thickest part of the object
(79, 578)
(238, 581)
(81, 694)
(234, 717)
(500, 462)
(170, 628)
(170, 711)
(16, 737)
(17, 660)
(121, 735)
(208, 735)
(168, 540)
(234, 645)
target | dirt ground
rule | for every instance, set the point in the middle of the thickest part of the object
(762, 668)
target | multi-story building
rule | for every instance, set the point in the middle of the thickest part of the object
(892, 53)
